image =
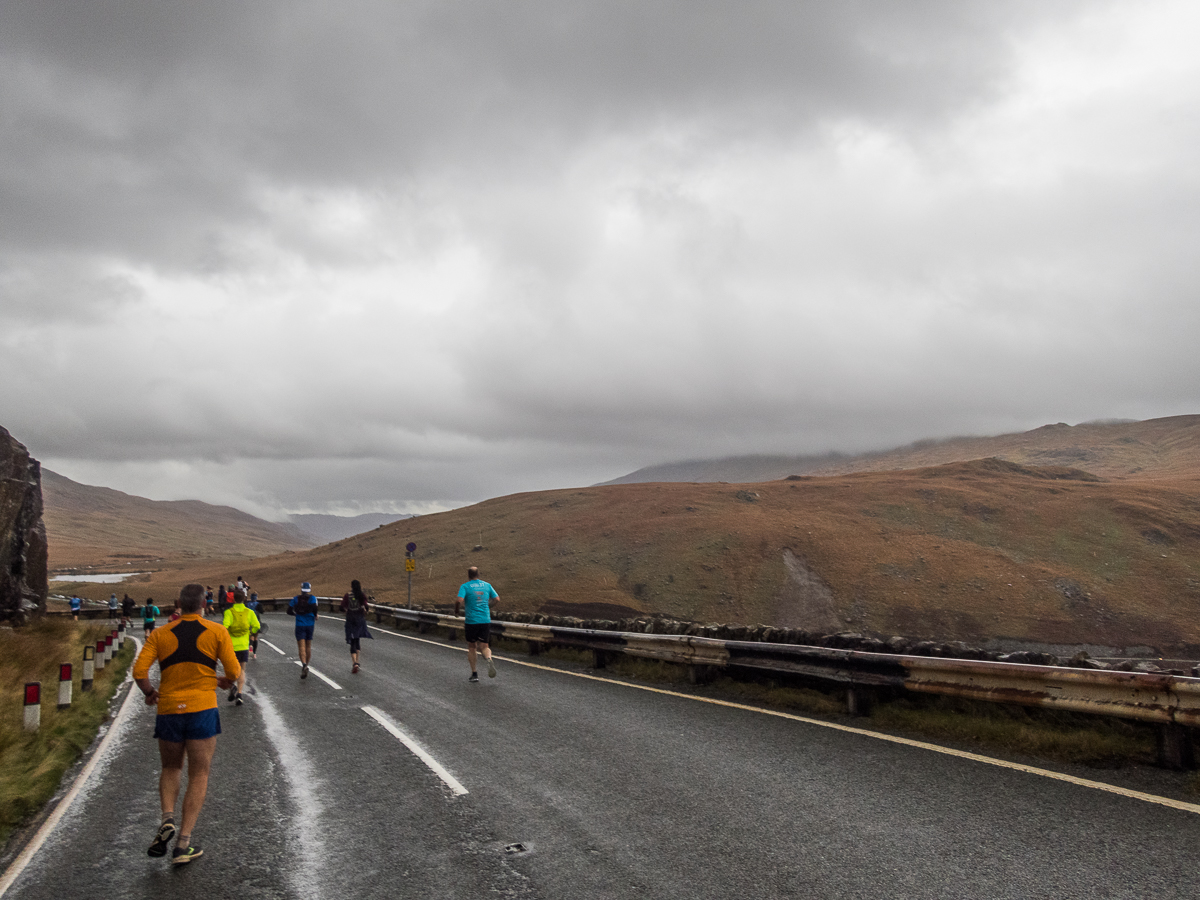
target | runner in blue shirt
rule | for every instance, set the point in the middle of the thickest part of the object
(475, 595)
(304, 608)
(75, 604)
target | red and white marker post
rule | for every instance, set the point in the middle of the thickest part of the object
(99, 655)
(33, 705)
(64, 685)
(89, 668)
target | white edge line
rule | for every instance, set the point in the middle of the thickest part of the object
(849, 729)
(43, 833)
(382, 718)
(325, 678)
(263, 640)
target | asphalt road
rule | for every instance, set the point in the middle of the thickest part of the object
(613, 792)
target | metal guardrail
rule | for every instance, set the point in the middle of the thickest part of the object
(1171, 702)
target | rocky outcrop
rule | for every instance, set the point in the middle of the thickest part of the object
(23, 585)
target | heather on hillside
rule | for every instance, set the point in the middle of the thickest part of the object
(969, 551)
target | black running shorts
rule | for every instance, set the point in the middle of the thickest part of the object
(477, 631)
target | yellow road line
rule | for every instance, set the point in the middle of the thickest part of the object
(908, 742)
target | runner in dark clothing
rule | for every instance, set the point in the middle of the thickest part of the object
(355, 606)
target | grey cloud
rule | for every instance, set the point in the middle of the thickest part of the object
(309, 255)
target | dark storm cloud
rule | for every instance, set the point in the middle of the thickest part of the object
(300, 255)
(139, 127)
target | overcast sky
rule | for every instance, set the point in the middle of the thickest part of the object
(343, 257)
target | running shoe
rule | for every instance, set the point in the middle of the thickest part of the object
(166, 831)
(233, 692)
(474, 679)
(304, 671)
(238, 701)
(354, 671)
(183, 855)
(491, 668)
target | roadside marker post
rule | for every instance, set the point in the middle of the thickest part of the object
(89, 668)
(122, 637)
(108, 650)
(99, 655)
(33, 705)
(64, 685)
(409, 567)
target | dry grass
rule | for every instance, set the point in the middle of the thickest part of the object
(32, 765)
(1064, 737)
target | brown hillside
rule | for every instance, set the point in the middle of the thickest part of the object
(1156, 448)
(971, 551)
(114, 531)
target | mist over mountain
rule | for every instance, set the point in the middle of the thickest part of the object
(324, 529)
(1113, 448)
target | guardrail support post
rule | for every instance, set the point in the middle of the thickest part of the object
(599, 659)
(453, 634)
(535, 648)
(859, 701)
(700, 674)
(1175, 750)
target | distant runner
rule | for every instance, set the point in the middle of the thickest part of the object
(114, 606)
(187, 652)
(149, 614)
(304, 608)
(241, 623)
(355, 606)
(76, 603)
(128, 606)
(253, 604)
(475, 595)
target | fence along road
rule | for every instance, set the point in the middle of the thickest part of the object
(578, 787)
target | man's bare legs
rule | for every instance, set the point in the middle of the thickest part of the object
(199, 755)
(485, 649)
(304, 648)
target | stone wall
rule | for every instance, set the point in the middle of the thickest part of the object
(23, 585)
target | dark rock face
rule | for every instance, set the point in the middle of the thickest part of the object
(23, 585)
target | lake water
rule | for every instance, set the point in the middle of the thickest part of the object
(113, 578)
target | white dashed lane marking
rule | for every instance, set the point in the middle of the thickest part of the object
(394, 729)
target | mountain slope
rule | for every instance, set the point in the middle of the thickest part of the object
(1166, 447)
(971, 551)
(97, 526)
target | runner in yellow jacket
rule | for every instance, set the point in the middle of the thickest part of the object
(240, 622)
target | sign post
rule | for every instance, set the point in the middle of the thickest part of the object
(410, 564)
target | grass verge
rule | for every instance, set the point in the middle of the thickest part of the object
(32, 765)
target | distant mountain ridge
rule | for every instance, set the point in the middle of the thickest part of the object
(1166, 447)
(88, 525)
(324, 529)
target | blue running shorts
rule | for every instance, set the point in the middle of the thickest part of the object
(194, 726)
(304, 632)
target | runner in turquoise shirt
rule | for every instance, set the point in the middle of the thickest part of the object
(476, 596)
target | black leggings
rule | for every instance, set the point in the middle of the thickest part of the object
(354, 644)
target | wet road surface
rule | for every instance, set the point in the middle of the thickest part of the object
(610, 792)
